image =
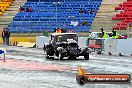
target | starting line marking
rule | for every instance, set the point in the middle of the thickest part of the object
(30, 65)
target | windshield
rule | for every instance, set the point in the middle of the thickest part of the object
(64, 38)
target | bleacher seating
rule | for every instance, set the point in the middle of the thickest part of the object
(47, 15)
(4, 4)
(125, 15)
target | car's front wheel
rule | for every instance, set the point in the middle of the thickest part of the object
(46, 55)
(60, 56)
(86, 56)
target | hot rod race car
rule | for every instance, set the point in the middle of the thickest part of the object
(65, 45)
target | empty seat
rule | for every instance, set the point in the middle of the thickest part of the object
(47, 15)
(125, 15)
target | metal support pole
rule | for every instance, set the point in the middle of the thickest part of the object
(128, 31)
(4, 58)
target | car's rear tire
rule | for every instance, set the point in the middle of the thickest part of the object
(86, 56)
(47, 56)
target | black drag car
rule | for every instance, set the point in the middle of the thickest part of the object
(64, 45)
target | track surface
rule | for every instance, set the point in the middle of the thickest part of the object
(12, 77)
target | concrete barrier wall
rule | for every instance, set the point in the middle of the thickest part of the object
(41, 40)
(118, 47)
(82, 41)
(124, 46)
(114, 46)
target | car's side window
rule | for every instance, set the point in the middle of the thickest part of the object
(53, 38)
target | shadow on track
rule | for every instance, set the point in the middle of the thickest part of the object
(67, 59)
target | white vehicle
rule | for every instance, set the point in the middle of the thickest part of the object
(97, 34)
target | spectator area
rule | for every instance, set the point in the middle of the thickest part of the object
(103, 18)
(125, 15)
(47, 15)
(4, 4)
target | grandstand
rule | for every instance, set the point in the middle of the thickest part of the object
(124, 16)
(4, 4)
(105, 17)
(47, 15)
